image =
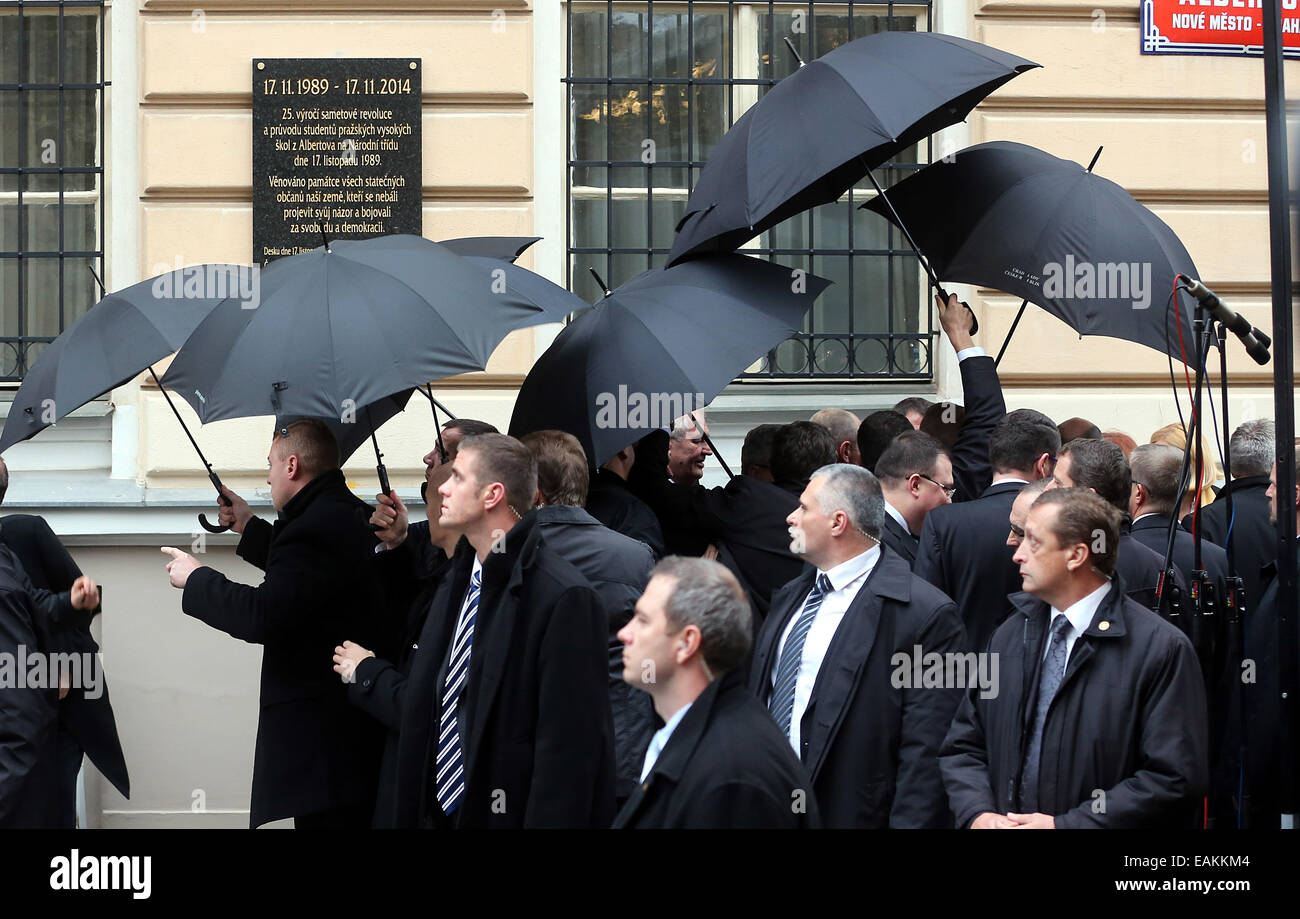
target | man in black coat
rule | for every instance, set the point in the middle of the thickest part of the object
(1100, 718)
(746, 518)
(30, 786)
(86, 723)
(718, 762)
(611, 501)
(319, 589)
(915, 474)
(1250, 455)
(984, 405)
(505, 718)
(963, 549)
(1100, 466)
(1260, 699)
(616, 566)
(834, 661)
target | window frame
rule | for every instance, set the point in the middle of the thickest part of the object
(742, 19)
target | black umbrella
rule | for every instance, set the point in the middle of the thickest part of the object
(822, 129)
(344, 325)
(1010, 217)
(117, 338)
(354, 429)
(507, 248)
(664, 344)
(120, 336)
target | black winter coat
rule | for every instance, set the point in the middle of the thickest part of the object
(870, 742)
(1125, 743)
(535, 726)
(90, 722)
(314, 752)
(726, 766)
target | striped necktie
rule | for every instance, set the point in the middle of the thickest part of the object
(450, 766)
(781, 704)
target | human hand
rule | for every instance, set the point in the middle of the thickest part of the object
(236, 514)
(181, 566)
(84, 594)
(346, 658)
(392, 520)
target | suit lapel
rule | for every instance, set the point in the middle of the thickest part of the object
(785, 603)
(841, 671)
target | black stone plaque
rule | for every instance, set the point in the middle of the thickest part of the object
(336, 151)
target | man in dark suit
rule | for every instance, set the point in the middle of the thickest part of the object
(320, 588)
(756, 452)
(1255, 713)
(378, 685)
(915, 475)
(616, 566)
(86, 724)
(876, 433)
(718, 762)
(1099, 465)
(746, 518)
(963, 549)
(505, 720)
(984, 406)
(1155, 470)
(611, 501)
(844, 426)
(1250, 455)
(827, 662)
(1100, 720)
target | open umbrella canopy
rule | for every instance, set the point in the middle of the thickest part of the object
(115, 340)
(665, 343)
(817, 132)
(1013, 218)
(353, 430)
(345, 325)
(506, 248)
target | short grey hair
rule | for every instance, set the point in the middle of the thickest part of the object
(1252, 447)
(1158, 468)
(708, 596)
(683, 424)
(856, 492)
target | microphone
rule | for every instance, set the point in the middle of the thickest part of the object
(1255, 341)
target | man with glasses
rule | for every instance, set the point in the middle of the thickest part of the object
(963, 549)
(915, 474)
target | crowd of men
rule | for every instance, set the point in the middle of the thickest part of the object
(934, 616)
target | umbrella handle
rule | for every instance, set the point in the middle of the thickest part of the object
(221, 499)
(387, 490)
(974, 321)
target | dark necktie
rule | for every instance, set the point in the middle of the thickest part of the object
(1049, 680)
(781, 704)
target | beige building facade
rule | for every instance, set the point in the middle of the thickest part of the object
(117, 479)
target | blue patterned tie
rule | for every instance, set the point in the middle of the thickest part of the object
(1048, 682)
(781, 704)
(451, 768)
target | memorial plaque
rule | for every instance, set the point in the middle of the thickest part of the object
(336, 151)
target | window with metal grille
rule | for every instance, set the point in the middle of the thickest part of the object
(652, 87)
(51, 172)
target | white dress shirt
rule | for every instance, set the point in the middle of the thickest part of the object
(1080, 616)
(898, 517)
(973, 351)
(846, 579)
(660, 740)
